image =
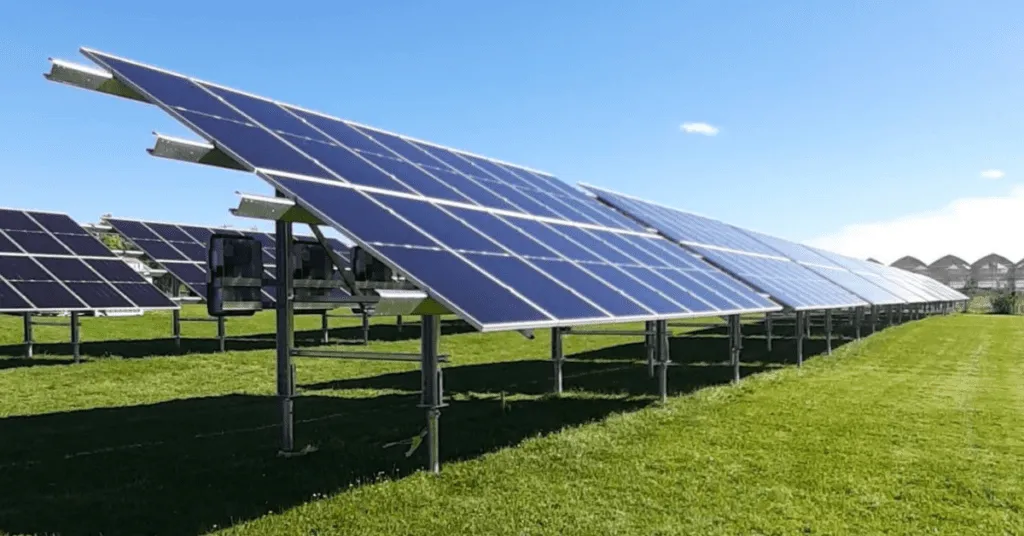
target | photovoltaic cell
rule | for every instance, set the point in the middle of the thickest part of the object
(864, 287)
(473, 232)
(740, 254)
(47, 264)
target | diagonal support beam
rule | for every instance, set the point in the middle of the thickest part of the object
(195, 152)
(91, 78)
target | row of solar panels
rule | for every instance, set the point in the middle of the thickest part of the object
(49, 263)
(504, 246)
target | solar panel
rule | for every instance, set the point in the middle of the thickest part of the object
(882, 276)
(50, 263)
(785, 280)
(456, 224)
(181, 249)
(862, 286)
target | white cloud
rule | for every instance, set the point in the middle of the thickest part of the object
(993, 174)
(971, 228)
(699, 128)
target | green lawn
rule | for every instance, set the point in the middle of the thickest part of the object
(915, 429)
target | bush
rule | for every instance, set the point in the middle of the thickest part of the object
(1006, 303)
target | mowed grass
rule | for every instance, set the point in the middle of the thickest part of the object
(915, 429)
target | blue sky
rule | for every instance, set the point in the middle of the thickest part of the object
(831, 115)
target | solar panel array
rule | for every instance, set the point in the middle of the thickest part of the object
(49, 263)
(182, 250)
(727, 246)
(504, 246)
(788, 282)
(872, 292)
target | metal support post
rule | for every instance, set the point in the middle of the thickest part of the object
(222, 333)
(398, 322)
(899, 315)
(75, 338)
(663, 358)
(800, 338)
(431, 395)
(807, 323)
(888, 315)
(768, 329)
(325, 329)
(28, 334)
(873, 311)
(557, 357)
(285, 334)
(650, 347)
(828, 331)
(735, 344)
(366, 325)
(858, 316)
(176, 316)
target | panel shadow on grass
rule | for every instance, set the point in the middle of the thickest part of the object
(132, 349)
(189, 466)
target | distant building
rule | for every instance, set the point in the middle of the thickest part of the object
(912, 264)
(951, 271)
(993, 272)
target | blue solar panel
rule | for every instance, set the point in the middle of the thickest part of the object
(867, 289)
(738, 253)
(46, 264)
(876, 273)
(485, 256)
(460, 263)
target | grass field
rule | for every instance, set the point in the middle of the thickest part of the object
(915, 429)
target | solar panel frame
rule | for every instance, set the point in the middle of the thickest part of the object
(62, 280)
(734, 260)
(288, 184)
(878, 274)
(300, 159)
(870, 291)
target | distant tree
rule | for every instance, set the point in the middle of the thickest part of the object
(1006, 303)
(114, 242)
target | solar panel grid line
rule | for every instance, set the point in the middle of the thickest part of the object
(452, 306)
(201, 85)
(581, 265)
(481, 177)
(867, 290)
(510, 221)
(453, 204)
(509, 252)
(280, 135)
(638, 263)
(73, 281)
(299, 153)
(91, 53)
(879, 274)
(332, 172)
(814, 287)
(768, 286)
(288, 108)
(60, 281)
(5, 284)
(428, 170)
(495, 177)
